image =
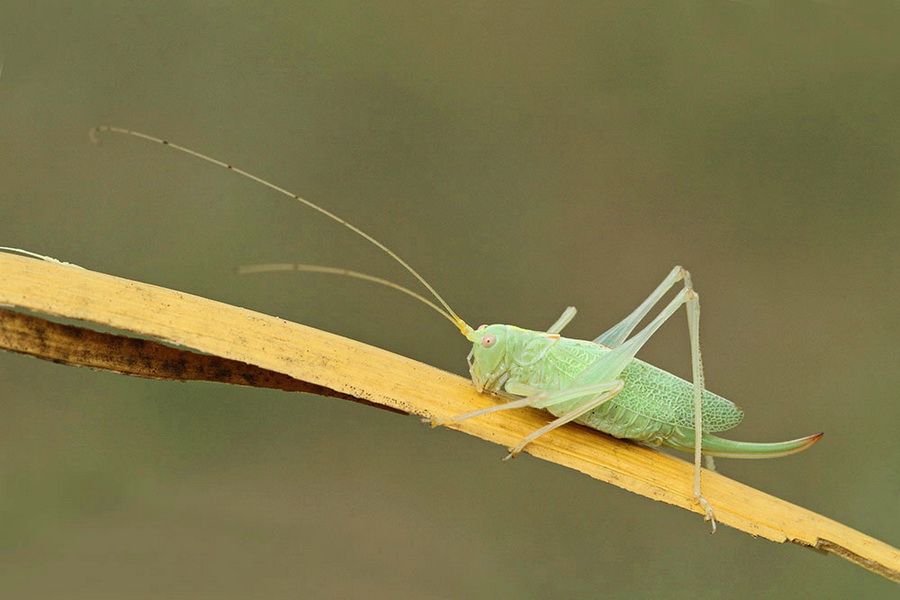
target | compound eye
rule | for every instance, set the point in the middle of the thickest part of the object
(488, 340)
(482, 326)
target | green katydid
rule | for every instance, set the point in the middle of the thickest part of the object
(597, 383)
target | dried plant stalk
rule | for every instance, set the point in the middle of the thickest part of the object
(255, 349)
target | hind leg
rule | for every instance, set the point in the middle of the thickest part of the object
(624, 350)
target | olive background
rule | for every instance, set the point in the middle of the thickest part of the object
(524, 157)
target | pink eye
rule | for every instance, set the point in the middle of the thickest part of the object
(488, 340)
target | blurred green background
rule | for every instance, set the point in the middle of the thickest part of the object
(523, 157)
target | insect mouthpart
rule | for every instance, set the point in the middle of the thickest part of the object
(491, 385)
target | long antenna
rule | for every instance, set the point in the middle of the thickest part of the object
(94, 135)
(271, 268)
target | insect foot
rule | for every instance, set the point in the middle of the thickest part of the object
(710, 514)
(513, 452)
(433, 422)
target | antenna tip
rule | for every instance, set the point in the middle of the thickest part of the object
(94, 135)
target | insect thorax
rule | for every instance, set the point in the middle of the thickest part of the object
(534, 358)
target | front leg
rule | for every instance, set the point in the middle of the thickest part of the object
(593, 396)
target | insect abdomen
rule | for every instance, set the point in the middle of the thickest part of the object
(653, 404)
(660, 396)
(622, 422)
